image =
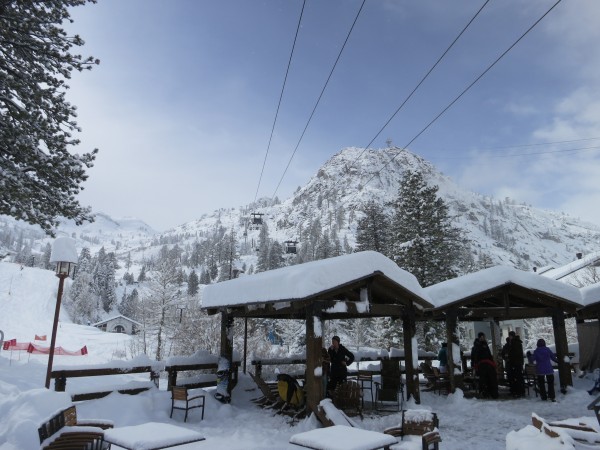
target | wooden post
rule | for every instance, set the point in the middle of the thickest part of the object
(496, 347)
(562, 348)
(412, 375)
(227, 343)
(451, 338)
(314, 344)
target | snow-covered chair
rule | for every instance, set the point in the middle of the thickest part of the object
(186, 399)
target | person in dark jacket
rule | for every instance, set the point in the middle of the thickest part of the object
(340, 358)
(485, 367)
(543, 357)
(515, 361)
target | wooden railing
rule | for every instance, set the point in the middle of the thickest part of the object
(203, 380)
(60, 380)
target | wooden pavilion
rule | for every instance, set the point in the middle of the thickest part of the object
(504, 293)
(588, 328)
(358, 285)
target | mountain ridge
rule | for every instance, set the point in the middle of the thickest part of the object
(500, 231)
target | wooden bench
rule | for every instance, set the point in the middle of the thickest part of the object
(420, 423)
(64, 432)
(201, 381)
(60, 380)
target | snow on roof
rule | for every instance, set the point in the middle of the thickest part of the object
(450, 291)
(116, 317)
(574, 266)
(590, 294)
(304, 280)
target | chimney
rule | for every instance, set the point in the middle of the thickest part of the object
(579, 255)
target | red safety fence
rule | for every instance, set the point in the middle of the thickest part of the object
(40, 338)
(40, 350)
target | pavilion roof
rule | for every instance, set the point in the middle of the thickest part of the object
(354, 285)
(504, 292)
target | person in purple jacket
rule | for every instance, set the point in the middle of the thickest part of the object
(543, 357)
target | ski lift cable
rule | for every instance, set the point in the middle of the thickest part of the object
(431, 69)
(422, 81)
(469, 87)
(319, 98)
(280, 99)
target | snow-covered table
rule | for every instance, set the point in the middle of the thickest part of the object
(151, 436)
(340, 437)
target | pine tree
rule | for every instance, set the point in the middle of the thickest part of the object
(372, 232)
(193, 282)
(130, 306)
(142, 275)
(276, 259)
(40, 176)
(423, 240)
(263, 249)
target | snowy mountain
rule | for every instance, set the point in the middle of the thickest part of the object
(501, 231)
(504, 230)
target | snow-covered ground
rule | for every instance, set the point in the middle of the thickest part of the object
(26, 305)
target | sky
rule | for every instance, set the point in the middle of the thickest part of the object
(184, 100)
(27, 307)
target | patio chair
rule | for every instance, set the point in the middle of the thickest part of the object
(182, 398)
(391, 388)
(347, 397)
(418, 424)
(530, 378)
(365, 380)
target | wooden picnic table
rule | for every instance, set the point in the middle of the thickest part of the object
(340, 437)
(151, 436)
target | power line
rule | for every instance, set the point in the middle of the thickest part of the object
(420, 83)
(505, 147)
(320, 96)
(468, 87)
(280, 98)
(424, 77)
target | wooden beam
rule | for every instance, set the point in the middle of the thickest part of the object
(314, 344)
(412, 375)
(562, 348)
(451, 338)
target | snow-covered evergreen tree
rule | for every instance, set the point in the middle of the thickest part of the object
(423, 239)
(193, 282)
(41, 176)
(372, 232)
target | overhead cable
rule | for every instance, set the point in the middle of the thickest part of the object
(319, 99)
(280, 98)
(468, 87)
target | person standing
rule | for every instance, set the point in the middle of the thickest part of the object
(340, 358)
(515, 361)
(543, 357)
(483, 363)
(443, 358)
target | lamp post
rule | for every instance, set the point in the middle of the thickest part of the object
(64, 255)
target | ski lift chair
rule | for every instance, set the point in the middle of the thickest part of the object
(184, 399)
(391, 389)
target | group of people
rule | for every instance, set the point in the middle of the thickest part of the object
(483, 363)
